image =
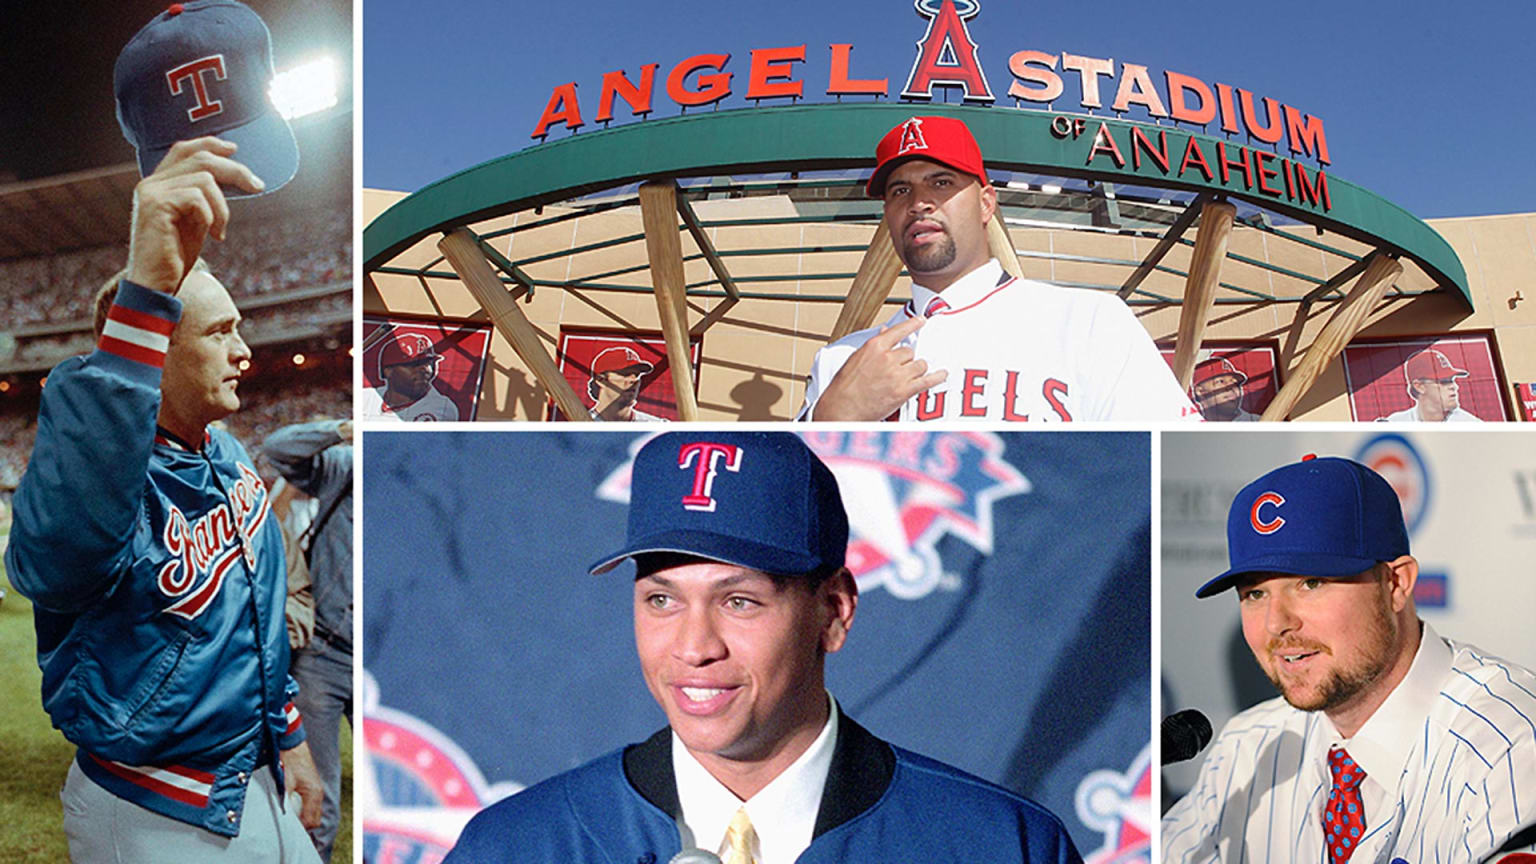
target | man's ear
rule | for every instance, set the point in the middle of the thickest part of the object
(840, 596)
(1402, 575)
(988, 202)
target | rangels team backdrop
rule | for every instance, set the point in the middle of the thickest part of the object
(1002, 625)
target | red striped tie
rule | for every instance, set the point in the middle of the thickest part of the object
(1344, 815)
(935, 306)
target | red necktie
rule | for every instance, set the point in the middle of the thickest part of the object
(1344, 815)
(935, 306)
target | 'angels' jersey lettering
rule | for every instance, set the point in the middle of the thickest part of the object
(1018, 350)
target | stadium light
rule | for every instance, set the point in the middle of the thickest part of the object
(298, 359)
(1051, 189)
(305, 88)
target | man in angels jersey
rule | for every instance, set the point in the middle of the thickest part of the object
(1435, 391)
(408, 366)
(974, 342)
(1388, 742)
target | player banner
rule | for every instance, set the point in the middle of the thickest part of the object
(1002, 627)
(1451, 378)
(1232, 383)
(620, 375)
(422, 370)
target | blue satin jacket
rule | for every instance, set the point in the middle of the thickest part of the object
(157, 578)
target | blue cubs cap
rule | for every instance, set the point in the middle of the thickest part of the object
(760, 500)
(1328, 517)
(203, 68)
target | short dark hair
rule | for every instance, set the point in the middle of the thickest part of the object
(648, 563)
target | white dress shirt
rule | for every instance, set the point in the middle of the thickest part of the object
(783, 813)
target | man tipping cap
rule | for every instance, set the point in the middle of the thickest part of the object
(760, 500)
(940, 139)
(204, 68)
(1325, 517)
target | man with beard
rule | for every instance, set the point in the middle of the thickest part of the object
(408, 365)
(1218, 391)
(1388, 741)
(615, 385)
(1433, 387)
(975, 343)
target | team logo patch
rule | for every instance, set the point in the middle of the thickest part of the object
(912, 139)
(1395, 459)
(706, 459)
(1257, 519)
(203, 551)
(420, 788)
(1120, 806)
(191, 76)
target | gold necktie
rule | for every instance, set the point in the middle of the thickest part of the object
(738, 839)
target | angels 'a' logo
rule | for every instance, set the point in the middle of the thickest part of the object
(946, 55)
(912, 139)
(417, 787)
(1119, 805)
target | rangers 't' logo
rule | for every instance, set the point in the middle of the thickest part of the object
(904, 492)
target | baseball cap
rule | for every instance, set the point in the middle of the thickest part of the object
(760, 500)
(618, 357)
(405, 348)
(1430, 363)
(1326, 517)
(1215, 368)
(203, 68)
(940, 139)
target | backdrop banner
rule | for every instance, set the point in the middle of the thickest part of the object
(1003, 623)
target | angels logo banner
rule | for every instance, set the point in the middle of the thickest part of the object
(1002, 627)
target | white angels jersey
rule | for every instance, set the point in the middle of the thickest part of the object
(1018, 350)
(433, 406)
(1452, 759)
(1411, 415)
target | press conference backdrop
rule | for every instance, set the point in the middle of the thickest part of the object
(1469, 498)
(1003, 623)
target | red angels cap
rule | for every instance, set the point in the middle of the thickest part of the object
(619, 357)
(1215, 368)
(940, 139)
(405, 348)
(1430, 363)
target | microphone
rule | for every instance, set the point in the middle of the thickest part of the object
(1184, 734)
(695, 856)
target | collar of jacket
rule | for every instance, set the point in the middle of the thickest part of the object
(862, 768)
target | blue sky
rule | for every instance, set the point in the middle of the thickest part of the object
(1426, 104)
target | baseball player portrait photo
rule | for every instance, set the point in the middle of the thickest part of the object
(1218, 392)
(1390, 740)
(845, 661)
(975, 343)
(408, 364)
(142, 535)
(614, 386)
(1434, 387)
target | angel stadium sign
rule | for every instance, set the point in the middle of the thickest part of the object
(948, 57)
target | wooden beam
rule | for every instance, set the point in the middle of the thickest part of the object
(1169, 240)
(462, 249)
(1001, 245)
(701, 237)
(871, 285)
(1346, 321)
(1200, 288)
(664, 248)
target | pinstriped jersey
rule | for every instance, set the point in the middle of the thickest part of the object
(1018, 351)
(1450, 762)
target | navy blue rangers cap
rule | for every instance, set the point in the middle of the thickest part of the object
(204, 68)
(760, 500)
(1328, 517)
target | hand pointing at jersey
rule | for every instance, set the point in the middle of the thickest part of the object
(878, 378)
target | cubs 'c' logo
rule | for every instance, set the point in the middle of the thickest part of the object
(1259, 523)
(416, 786)
(1395, 459)
(1119, 805)
(946, 55)
(904, 492)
